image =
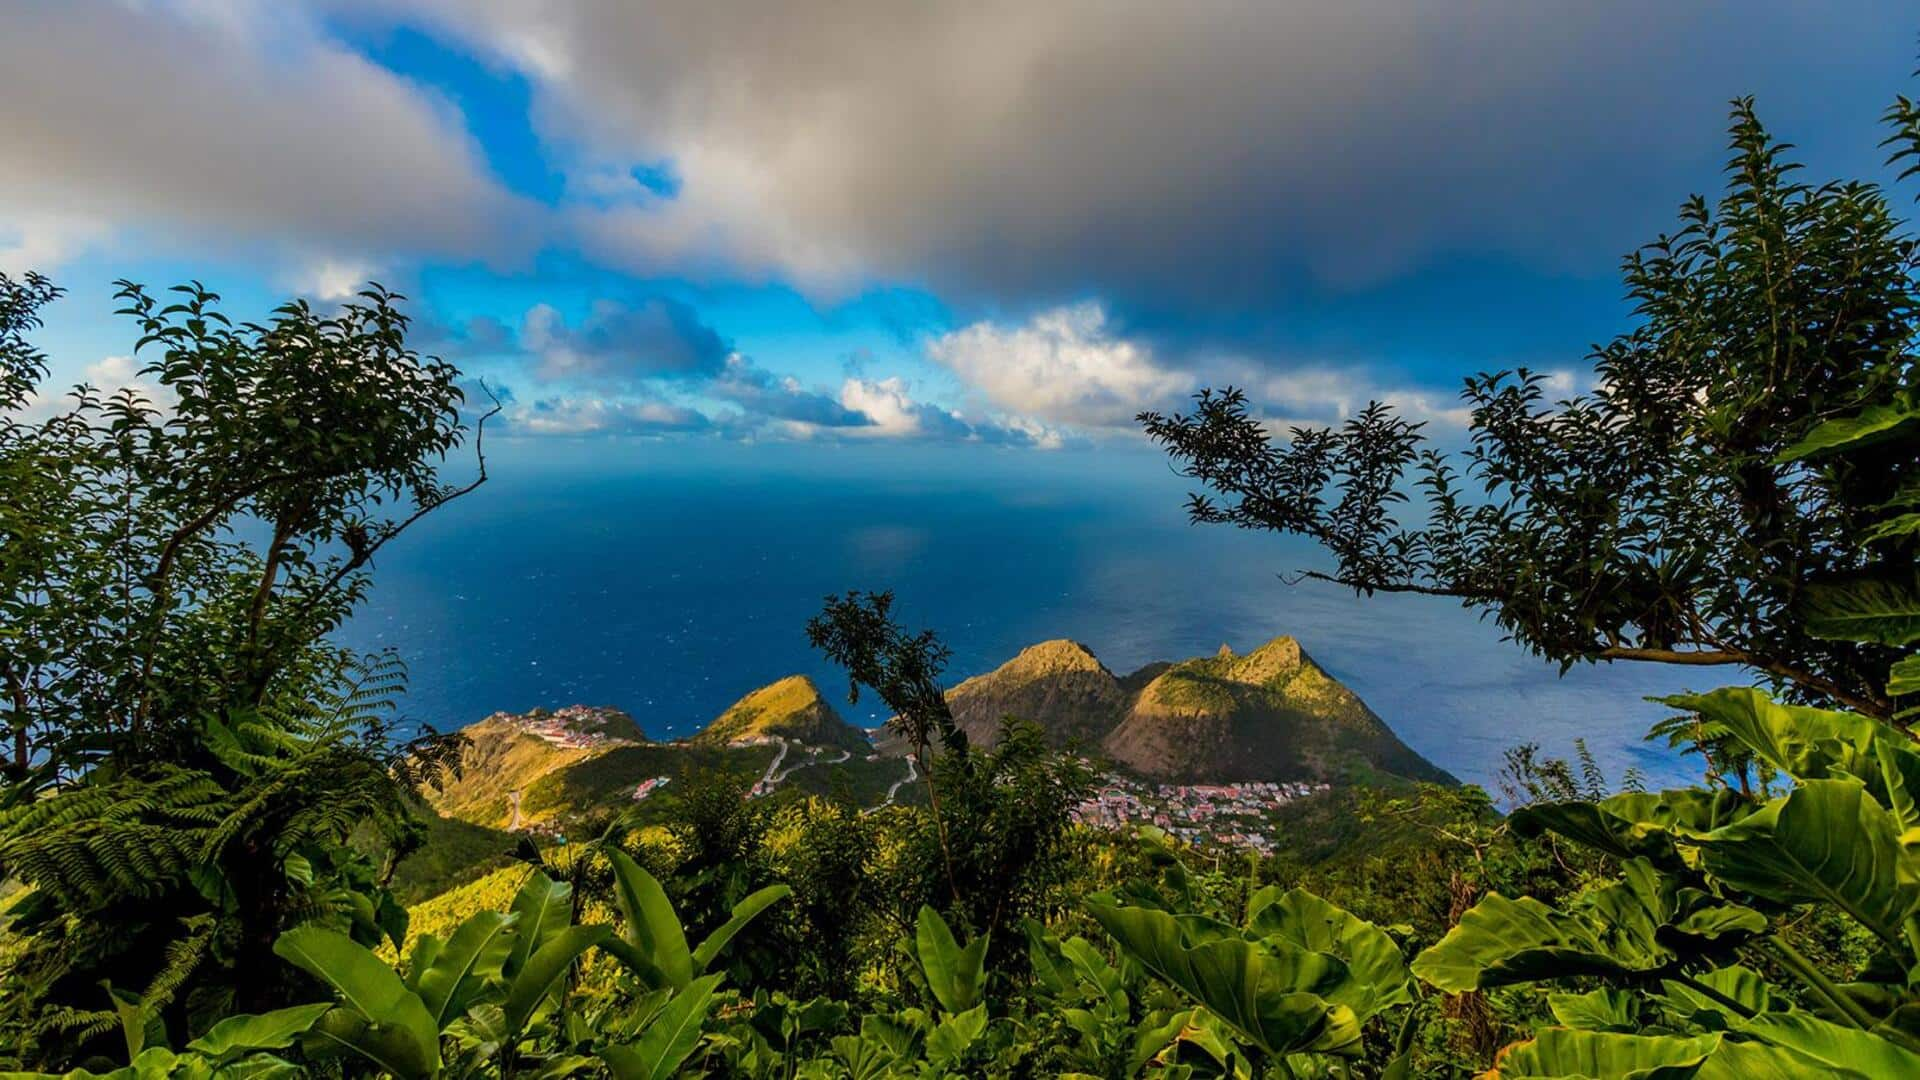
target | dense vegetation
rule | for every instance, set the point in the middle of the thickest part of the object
(204, 810)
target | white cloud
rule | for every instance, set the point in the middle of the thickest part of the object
(334, 280)
(1323, 396)
(230, 126)
(895, 414)
(1065, 365)
(32, 240)
(604, 416)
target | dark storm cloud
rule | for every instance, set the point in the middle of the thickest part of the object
(1198, 155)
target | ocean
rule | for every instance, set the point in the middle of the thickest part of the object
(668, 580)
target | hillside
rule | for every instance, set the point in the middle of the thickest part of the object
(1058, 684)
(791, 708)
(508, 752)
(1271, 714)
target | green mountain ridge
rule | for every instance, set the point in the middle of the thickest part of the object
(791, 708)
(1269, 714)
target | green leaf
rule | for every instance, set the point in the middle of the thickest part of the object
(1834, 1047)
(1825, 842)
(394, 1029)
(543, 906)
(1804, 742)
(459, 970)
(537, 977)
(743, 913)
(1642, 924)
(1308, 922)
(1879, 607)
(669, 1040)
(656, 944)
(1876, 423)
(1740, 984)
(1563, 1052)
(956, 976)
(955, 1034)
(1904, 678)
(394, 1049)
(1274, 995)
(1605, 1009)
(1634, 824)
(1900, 525)
(265, 1031)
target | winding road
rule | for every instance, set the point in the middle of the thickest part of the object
(895, 789)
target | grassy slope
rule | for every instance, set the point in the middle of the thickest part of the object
(455, 852)
(790, 708)
(606, 781)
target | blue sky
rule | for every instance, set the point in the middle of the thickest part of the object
(874, 224)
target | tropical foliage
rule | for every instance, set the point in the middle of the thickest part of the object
(204, 810)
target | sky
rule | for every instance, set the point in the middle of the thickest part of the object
(983, 227)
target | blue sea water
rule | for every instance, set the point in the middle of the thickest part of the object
(669, 580)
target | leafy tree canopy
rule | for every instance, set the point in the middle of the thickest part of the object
(1741, 486)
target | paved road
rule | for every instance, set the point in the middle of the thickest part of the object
(908, 779)
(767, 780)
(812, 759)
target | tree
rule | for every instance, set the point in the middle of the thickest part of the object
(1740, 487)
(859, 633)
(188, 752)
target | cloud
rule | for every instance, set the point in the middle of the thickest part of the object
(1210, 155)
(767, 396)
(654, 338)
(603, 416)
(1065, 365)
(894, 413)
(228, 127)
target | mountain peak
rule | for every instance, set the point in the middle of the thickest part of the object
(1052, 657)
(1058, 684)
(789, 708)
(1277, 657)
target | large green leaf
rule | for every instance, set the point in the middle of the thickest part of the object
(669, 1040)
(957, 976)
(1801, 741)
(263, 1031)
(1874, 424)
(953, 1035)
(541, 908)
(1604, 1055)
(393, 1029)
(1880, 607)
(1825, 842)
(743, 913)
(537, 978)
(1642, 924)
(1834, 1047)
(1904, 678)
(1635, 824)
(1276, 996)
(1605, 1009)
(657, 944)
(459, 969)
(1305, 921)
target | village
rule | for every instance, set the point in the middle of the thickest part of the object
(1236, 815)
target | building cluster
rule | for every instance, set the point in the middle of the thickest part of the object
(575, 727)
(1237, 815)
(649, 786)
